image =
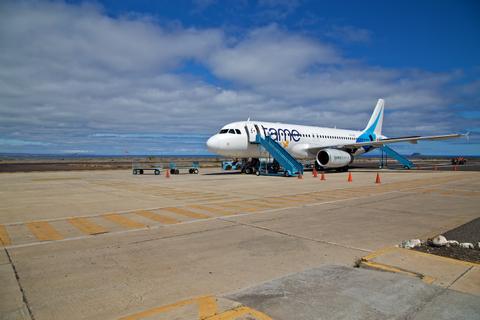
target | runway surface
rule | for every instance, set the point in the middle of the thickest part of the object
(108, 244)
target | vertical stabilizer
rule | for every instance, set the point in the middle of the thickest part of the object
(376, 120)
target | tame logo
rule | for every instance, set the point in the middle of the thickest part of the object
(282, 134)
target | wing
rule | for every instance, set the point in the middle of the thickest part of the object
(412, 139)
(381, 142)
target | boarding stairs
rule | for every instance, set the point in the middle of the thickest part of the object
(291, 166)
(397, 156)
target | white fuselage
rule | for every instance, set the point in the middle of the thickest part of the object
(235, 139)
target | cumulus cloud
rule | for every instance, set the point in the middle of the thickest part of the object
(70, 73)
(269, 55)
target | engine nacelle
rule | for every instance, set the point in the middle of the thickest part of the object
(333, 158)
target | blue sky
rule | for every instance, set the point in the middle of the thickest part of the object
(158, 77)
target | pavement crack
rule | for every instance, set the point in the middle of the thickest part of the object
(17, 277)
(458, 278)
(298, 236)
(184, 234)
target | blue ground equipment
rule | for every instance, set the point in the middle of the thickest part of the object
(232, 165)
(291, 167)
(397, 156)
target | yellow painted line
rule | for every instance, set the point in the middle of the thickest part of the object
(207, 307)
(86, 226)
(186, 213)
(4, 238)
(377, 253)
(44, 231)
(266, 204)
(123, 221)
(384, 267)
(238, 207)
(428, 279)
(157, 217)
(210, 209)
(238, 312)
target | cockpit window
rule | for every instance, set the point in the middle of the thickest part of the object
(231, 131)
(223, 131)
(238, 131)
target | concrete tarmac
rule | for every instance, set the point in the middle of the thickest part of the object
(107, 244)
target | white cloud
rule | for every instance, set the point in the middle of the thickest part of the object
(69, 71)
(270, 55)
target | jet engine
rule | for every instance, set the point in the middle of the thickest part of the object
(333, 158)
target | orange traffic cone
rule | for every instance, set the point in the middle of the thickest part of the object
(322, 176)
(350, 177)
(300, 176)
(377, 180)
(455, 168)
(167, 173)
(315, 174)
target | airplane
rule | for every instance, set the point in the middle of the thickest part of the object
(331, 148)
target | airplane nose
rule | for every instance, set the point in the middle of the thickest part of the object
(212, 143)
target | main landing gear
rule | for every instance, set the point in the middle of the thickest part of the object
(250, 166)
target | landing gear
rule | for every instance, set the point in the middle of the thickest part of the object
(250, 166)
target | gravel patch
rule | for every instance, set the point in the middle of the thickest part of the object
(468, 232)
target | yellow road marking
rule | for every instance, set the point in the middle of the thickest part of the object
(43, 231)
(124, 221)
(240, 311)
(386, 267)
(4, 238)
(425, 278)
(266, 204)
(207, 307)
(86, 226)
(237, 207)
(157, 217)
(186, 213)
(377, 253)
(210, 209)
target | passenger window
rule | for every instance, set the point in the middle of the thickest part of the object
(231, 131)
(223, 131)
(238, 131)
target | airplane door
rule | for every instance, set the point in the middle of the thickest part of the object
(252, 131)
